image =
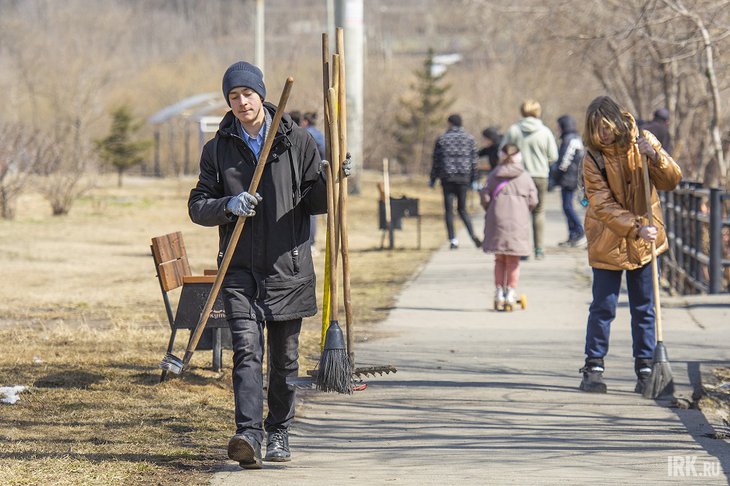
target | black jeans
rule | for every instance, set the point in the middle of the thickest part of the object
(454, 190)
(248, 351)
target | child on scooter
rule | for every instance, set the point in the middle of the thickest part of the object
(508, 198)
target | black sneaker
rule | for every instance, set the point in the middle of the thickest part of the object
(245, 449)
(643, 374)
(643, 380)
(592, 381)
(567, 243)
(277, 447)
(579, 242)
(477, 242)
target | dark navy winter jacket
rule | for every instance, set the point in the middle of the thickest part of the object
(570, 154)
(271, 270)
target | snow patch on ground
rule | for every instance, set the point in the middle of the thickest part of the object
(10, 394)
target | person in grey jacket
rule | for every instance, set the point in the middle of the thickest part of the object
(455, 164)
(539, 149)
(270, 283)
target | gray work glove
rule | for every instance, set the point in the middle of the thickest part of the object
(243, 204)
(347, 165)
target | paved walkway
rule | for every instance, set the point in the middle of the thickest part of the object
(482, 397)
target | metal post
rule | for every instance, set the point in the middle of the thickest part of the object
(217, 349)
(201, 135)
(172, 144)
(681, 238)
(331, 21)
(391, 230)
(259, 56)
(349, 14)
(715, 241)
(156, 168)
(695, 268)
(186, 149)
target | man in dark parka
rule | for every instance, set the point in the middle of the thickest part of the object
(270, 283)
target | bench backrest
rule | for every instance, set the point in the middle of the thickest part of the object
(171, 260)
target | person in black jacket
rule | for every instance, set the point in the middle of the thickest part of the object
(659, 127)
(492, 139)
(455, 164)
(565, 175)
(270, 283)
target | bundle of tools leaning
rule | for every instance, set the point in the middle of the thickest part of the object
(337, 357)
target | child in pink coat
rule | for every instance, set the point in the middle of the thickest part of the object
(508, 197)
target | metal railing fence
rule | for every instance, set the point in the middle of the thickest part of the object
(697, 222)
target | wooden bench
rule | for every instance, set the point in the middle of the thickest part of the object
(173, 271)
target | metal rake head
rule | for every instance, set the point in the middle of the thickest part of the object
(374, 371)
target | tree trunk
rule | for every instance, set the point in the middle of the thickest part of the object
(679, 7)
(7, 205)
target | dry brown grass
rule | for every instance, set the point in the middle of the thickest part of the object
(83, 325)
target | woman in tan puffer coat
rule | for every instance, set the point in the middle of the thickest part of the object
(618, 232)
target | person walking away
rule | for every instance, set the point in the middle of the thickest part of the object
(309, 122)
(490, 150)
(508, 198)
(270, 283)
(570, 155)
(659, 127)
(619, 237)
(455, 165)
(539, 149)
(296, 116)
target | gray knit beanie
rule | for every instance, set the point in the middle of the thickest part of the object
(243, 74)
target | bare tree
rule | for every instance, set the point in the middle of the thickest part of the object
(656, 53)
(708, 53)
(65, 168)
(18, 159)
(83, 59)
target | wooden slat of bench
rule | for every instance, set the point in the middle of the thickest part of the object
(172, 273)
(199, 279)
(169, 247)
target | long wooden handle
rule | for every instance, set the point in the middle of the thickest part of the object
(333, 209)
(325, 89)
(337, 155)
(344, 237)
(328, 156)
(238, 229)
(654, 267)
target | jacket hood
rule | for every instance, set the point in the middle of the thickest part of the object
(530, 124)
(567, 124)
(508, 170)
(492, 134)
